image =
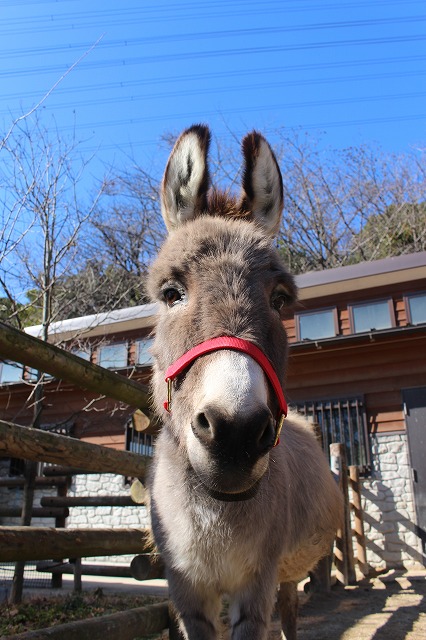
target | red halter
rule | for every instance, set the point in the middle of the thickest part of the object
(235, 344)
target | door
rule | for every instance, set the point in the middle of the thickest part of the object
(415, 417)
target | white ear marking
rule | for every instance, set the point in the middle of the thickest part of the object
(262, 192)
(185, 181)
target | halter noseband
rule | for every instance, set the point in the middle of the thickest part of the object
(235, 344)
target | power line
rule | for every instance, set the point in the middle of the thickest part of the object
(248, 109)
(218, 53)
(203, 35)
(228, 89)
(301, 127)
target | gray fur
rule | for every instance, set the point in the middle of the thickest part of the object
(227, 276)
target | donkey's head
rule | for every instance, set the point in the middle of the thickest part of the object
(218, 275)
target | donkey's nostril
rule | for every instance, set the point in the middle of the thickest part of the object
(202, 421)
(266, 434)
(203, 427)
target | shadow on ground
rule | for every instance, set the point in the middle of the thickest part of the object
(387, 608)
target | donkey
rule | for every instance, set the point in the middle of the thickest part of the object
(235, 507)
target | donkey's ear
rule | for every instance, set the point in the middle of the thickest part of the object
(186, 179)
(262, 183)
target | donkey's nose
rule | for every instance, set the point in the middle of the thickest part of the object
(252, 433)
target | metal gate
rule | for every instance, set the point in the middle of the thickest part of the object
(415, 417)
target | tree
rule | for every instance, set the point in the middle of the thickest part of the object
(125, 233)
(334, 199)
(40, 177)
(398, 230)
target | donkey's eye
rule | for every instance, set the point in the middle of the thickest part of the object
(279, 300)
(172, 296)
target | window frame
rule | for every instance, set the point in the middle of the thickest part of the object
(298, 314)
(407, 298)
(113, 344)
(390, 303)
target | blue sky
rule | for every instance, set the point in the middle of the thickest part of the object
(350, 71)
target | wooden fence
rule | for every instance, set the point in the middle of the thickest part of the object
(27, 543)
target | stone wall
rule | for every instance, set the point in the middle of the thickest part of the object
(388, 502)
(105, 484)
(13, 498)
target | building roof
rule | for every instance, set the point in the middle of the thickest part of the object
(314, 284)
(99, 324)
(364, 275)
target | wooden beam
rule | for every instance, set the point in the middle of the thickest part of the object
(87, 501)
(36, 512)
(111, 571)
(48, 543)
(59, 470)
(39, 482)
(33, 444)
(124, 625)
(21, 347)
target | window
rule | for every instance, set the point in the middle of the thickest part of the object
(370, 316)
(81, 352)
(416, 308)
(10, 372)
(314, 325)
(143, 352)
(113, 356)
(341, 421)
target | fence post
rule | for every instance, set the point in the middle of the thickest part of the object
(56, 580)
(26, 515)
(344, 560)
(361, 552)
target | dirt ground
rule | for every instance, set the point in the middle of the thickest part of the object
(388, 607)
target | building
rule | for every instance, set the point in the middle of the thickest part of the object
(357, 365)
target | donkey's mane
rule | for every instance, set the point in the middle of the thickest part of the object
(225, 204)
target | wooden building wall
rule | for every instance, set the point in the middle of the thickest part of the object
(376, 366)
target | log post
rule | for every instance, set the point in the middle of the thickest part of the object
(356, 505)
(345, 571)
(33, 444)
(60, 522)
(147, 566)
(26, 514)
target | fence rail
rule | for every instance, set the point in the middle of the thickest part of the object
(33, 444)
(49, 543)
(18, 346)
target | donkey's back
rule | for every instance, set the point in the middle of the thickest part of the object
(237, 504)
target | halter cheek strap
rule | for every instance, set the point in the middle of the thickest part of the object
(235, 344)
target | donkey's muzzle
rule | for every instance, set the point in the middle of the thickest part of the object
(234, 440)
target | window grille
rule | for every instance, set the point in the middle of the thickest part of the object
(139, 441)
(341, 421)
